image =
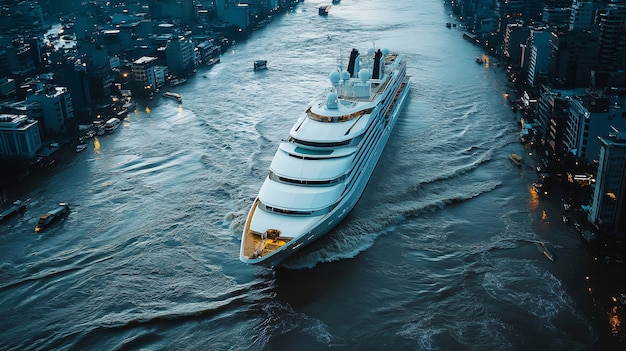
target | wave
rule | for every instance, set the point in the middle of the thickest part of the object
(355, 235)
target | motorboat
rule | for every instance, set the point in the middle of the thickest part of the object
(52, 216)
(543, 248)
(112, 124)
(319, 172)
(174, 96)
(177, 81)
(16, 207)
(323, 10)
(213, 61)
(260, 65)
(516, 159)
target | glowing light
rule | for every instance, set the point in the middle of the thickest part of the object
(534, 198)
(614, 321)
(147, 109)
(96, 145)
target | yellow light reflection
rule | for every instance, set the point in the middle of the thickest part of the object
(96, 145)
(533, 203)
(614, 321)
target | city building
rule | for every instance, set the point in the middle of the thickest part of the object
(582, 15)
(539, 58)
(15, 56)
(556, 16)
(591, 115)
(57, 110)
(19, 136)
(573, 55)
(552, 113)
(607, 207)
(180, 55)
(612, 38)
(514, 44)
(143, 73)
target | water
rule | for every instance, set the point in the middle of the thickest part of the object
(435, 256)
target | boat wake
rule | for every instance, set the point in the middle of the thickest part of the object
(359, 231)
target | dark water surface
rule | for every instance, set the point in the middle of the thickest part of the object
(437, 255)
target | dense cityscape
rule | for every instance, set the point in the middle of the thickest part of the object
(566, 63)
(69, 68)
(70, 71)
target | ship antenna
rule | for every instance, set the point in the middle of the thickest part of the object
(339, 61)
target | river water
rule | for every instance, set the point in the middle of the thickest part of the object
(437, 255)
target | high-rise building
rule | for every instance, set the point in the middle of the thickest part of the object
(607, 210)
(180, 55)
(612, 39)
(539, 59)
(582, 15)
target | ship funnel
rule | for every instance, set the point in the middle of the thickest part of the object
(352, 62)
(378, 65)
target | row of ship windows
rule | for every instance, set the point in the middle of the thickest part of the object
(293, 212)
(318, 144)
(273, 176)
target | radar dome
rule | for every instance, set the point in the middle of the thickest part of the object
(334, 77)
(385, 51)
(364, 75)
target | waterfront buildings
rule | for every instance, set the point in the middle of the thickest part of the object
(180, 55)
(56, 106)
(607, 211)
(19, 136)
(144, 74)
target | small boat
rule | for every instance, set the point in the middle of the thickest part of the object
(54, 215)
(448, 25)
(517, 159)
(324, 9)
(541, 246)
(260, 65)
(81, 147)
(177, 81)
(213, 61)
(112, 124)
(479, 60)
(174, 96)
(18, 206)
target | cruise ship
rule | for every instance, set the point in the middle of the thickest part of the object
(319, 173)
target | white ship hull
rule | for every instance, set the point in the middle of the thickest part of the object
(266, 246)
